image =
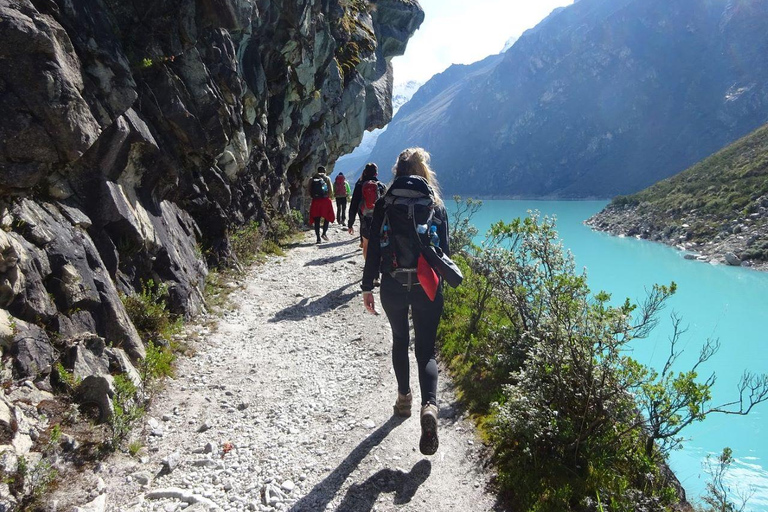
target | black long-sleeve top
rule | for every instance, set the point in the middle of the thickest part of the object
(372, 268)
(354, 203)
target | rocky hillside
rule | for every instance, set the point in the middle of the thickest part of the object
(717, 209)
(136, 136)
(604, 97)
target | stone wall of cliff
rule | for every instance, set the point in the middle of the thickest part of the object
(136, 134)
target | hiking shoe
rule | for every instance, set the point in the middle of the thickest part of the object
(403, 405)
(428, 443)
(325, 237)
(318, 241)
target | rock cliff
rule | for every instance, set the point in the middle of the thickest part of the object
(136, 135)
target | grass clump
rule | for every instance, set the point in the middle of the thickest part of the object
(126, 411)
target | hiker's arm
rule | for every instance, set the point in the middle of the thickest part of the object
(442, 232)
(354, 205)
(373, 259)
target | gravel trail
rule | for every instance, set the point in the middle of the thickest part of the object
(288, 406)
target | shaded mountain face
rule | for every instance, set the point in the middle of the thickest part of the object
(601, 98)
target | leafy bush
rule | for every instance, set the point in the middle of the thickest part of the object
(572, 419)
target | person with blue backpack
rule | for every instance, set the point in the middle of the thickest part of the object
(321, 192)
(409, 221)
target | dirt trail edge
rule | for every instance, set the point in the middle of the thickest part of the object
(288, 406)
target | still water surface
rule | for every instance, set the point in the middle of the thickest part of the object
(714, 300)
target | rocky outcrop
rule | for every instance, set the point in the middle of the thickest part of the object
(716, 211)
(135, 136)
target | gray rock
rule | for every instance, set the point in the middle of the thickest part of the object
(143, 477)
(32, 351)
(171, 462)
(97, 505)
(98, 390)
(732, 259)
(8, 425)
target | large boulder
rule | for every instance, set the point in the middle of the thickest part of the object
(32, 351)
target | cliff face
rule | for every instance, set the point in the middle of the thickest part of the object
(134, 135)
(604, 97)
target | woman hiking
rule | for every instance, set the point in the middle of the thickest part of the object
(319, 187)
(368, 190)
(342, 191)
(409, 216)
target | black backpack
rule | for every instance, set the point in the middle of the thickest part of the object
(318, 188)
(409, 208)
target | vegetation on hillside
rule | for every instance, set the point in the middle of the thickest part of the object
(728, 187)
(542, 361)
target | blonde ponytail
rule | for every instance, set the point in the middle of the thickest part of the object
(415, 162)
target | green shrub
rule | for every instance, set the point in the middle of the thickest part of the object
(149, 312)
(127, 410)
(158, 362)
(543, 363)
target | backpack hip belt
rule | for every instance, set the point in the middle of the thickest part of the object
(406, 277)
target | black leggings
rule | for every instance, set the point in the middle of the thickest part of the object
(341, 209)
(317, 226)
(396, 300)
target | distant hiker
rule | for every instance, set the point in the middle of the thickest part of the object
(368, 190)
(409, 216)
(342, 191)
(321, 193)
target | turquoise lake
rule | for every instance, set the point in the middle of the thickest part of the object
(715, 301)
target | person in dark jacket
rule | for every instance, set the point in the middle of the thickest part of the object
(399, 295)
(370, 172)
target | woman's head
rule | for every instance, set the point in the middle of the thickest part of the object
(371, 171)
(415, 162)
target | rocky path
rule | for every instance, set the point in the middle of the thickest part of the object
(288, 406)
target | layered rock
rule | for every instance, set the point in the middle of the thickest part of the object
(135, 136)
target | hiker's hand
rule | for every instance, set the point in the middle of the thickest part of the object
(370, 303)
(351, 231)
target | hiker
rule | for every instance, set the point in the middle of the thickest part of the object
(342, 191)
(320, 191)
(410, 215)
(368, 190)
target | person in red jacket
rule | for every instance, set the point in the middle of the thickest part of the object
(321, 191)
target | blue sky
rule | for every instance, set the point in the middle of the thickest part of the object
(462, 32)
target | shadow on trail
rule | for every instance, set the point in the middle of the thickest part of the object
(332, 259)
(324, 492)
(331, 245)
(306, 309)
(362, 497)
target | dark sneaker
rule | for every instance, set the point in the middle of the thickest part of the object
(403, 405)
(325, 237)
(318, 241)
(428, 443)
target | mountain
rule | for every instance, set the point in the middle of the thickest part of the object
(717, 209)
(352, 163)
(601, 98)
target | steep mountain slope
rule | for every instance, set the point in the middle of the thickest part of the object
(718, 206)
(601, 98)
